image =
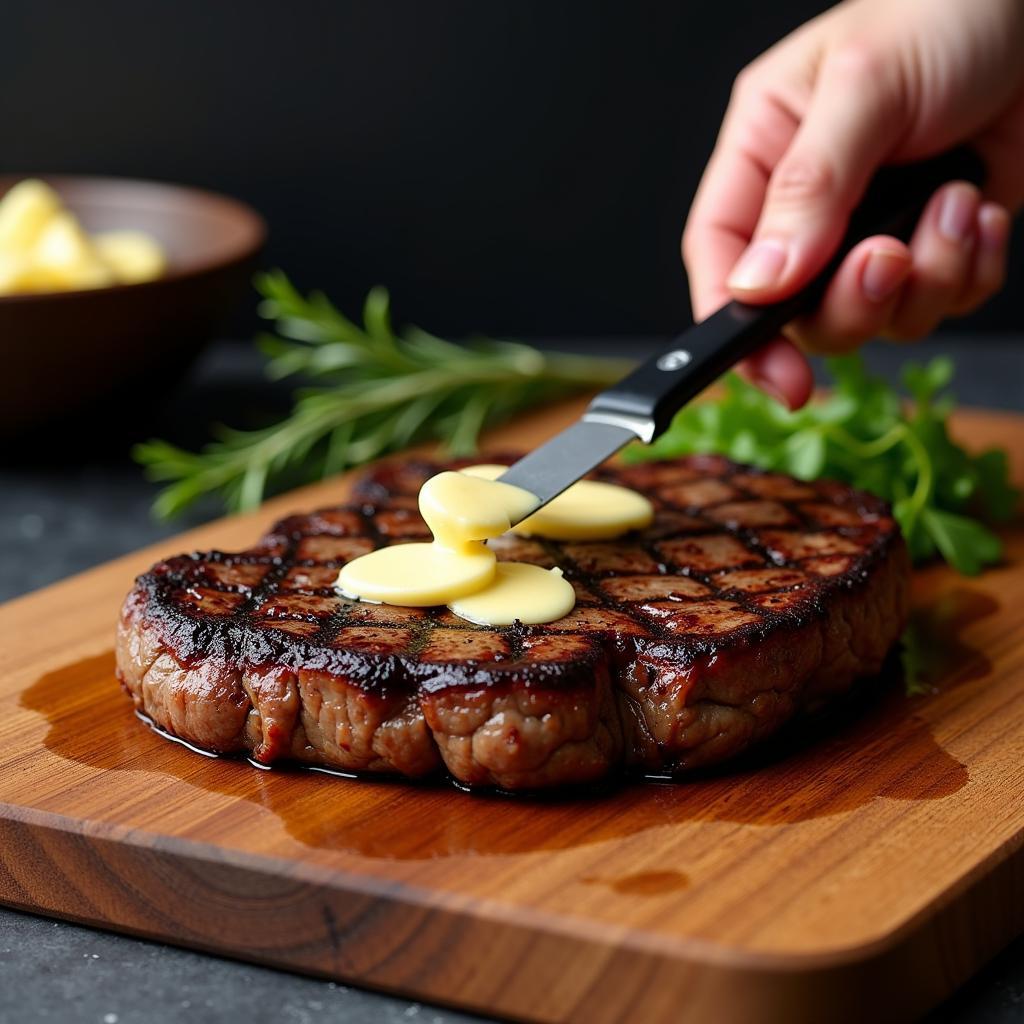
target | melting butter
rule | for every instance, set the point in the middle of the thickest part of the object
(588, 510)
(457, 569)
(417, 575)
(528, 593)
(461, 509)
(462, 512)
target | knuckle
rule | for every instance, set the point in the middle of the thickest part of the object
(861, 67)
(689, 230)
(800, 178)
(688, 243)
(745, 82)
(858, 61)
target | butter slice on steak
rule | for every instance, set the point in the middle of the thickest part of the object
(751, 596)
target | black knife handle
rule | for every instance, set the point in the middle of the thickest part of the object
(652, 394)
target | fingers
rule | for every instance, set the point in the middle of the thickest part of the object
(849, 127)
(797, 148)
(756, 131)
(757, 128)
(959, 251)
(781, 370)
(943, 251)
(955, 261)
(859, 300)
(988, 271)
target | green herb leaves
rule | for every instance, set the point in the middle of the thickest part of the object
(371, 391)
(864, 434)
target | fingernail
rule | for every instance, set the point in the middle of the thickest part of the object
(884, 271)
(993, 226)
(957, 213)
(759, 267)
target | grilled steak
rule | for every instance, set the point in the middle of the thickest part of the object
(750, 596)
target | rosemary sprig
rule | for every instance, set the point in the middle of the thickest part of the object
(372, 391)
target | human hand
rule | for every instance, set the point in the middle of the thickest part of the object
(867, 83)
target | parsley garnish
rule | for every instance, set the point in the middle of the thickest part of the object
(866, 434)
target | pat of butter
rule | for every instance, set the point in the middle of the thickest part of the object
(132, 255)
(527, 593)
(588, 510)
(64, 252)
(457, 569)
(417, 575)
(462, 512)
(24, 211)
(460, 508)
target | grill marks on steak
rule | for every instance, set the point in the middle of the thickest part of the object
(750, 595)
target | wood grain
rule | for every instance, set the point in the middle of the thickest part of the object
(860, 870)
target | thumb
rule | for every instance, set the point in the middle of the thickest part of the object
(850, 125)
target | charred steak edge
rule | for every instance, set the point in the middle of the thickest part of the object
(751, 596)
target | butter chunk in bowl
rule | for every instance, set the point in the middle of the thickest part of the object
(44, 248)
(108, 288)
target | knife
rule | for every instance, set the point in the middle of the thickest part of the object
(641, 406)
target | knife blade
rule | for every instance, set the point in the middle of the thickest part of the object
(641, 406)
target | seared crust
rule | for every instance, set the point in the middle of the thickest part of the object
(750, 596)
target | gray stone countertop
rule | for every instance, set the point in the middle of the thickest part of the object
(64, 510)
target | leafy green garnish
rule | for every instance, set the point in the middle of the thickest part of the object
(374, 391)
(866, 434)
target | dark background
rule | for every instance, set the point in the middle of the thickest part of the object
(512, 168)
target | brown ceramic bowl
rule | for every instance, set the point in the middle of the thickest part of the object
(62, 351)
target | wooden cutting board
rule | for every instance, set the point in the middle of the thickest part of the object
(861, 872)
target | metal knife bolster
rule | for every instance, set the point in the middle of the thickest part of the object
(646, 400)
(642, 405)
